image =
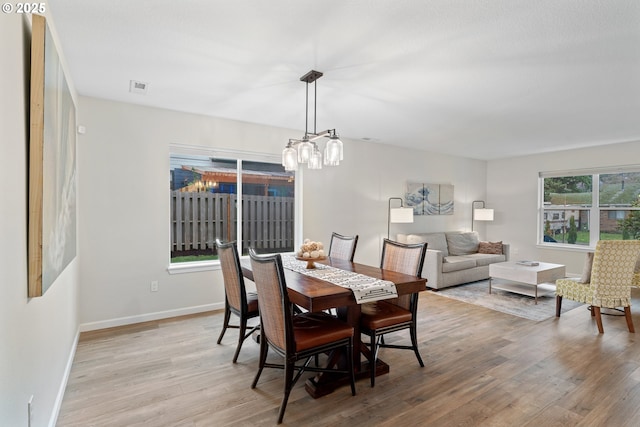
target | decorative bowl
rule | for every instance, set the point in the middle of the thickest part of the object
(311, 261)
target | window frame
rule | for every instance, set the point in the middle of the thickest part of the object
(239, 156)
(594, 209)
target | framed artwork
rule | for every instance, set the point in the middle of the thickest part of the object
(430, 199)
(52, 165)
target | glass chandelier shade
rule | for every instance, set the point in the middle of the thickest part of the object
(290, 159)
(333, 151)
(315, 161)
(305, 150)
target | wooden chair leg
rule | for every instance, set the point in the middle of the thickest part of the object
(225, 323)
(558, 305)
(593, 313)
(241, 337)
(627, 315)
(372, 361)
(263, 358)
(596, 312)
(352, 376)
(288, 385)
(414, 343)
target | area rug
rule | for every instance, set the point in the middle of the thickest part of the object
(477, 293)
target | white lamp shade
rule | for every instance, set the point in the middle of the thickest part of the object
(401, 215)
(483, 214)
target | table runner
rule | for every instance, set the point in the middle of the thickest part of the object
(364, 288)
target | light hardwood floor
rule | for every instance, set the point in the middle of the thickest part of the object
(482, 368)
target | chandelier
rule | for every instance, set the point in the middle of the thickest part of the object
(306, 150)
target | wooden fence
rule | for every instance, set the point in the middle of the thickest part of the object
(197, 219)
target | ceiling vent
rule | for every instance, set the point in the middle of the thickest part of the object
(138, 87)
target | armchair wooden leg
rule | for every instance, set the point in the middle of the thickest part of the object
(596, 312)
(558, 305)
(627, 315)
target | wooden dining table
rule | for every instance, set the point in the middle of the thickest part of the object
(314, 294)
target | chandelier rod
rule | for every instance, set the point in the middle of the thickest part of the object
(311, 77)
(306, 112)
(315, 108)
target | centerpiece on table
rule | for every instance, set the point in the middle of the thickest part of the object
(311, 251)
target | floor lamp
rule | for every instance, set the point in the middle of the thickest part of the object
(398, 215)
(481, 214)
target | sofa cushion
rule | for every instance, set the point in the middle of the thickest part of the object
(490, 248)
(462, 243)
(486, 259)
(435, 241)
(457, 263)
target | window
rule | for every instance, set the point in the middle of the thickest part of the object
(226, 196)
(582, 208)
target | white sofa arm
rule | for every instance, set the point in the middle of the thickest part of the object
(432, 269)
(505, 251)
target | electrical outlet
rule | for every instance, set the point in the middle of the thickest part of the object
(154, 286)
(30, 411)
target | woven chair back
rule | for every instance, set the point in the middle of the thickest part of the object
(232, 274)
(343, 247)
(273, 299)
(403, 258)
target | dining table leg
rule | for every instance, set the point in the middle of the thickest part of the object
(325, 383)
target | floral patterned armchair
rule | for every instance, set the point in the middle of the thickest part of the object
(612, 276)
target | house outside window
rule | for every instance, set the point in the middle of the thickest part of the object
(231, 198)
(578, 209)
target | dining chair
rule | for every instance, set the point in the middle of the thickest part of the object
(343, 247)
(237, 300)
(295, 337)
(385, 316)
(610, 283)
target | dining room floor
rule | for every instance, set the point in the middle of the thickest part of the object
(482, 368)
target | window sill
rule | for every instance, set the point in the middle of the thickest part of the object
(193, 267)
(565, 247)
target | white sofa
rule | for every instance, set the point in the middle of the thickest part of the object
(456, 257)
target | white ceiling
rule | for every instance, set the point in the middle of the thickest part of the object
(483, 79)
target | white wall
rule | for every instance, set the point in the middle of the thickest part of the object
(512, 190)
(38, 335)
(123, 200)
(354, 198)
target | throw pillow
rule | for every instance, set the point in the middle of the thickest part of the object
(435, 241)
(464, 243)
(494, 248)
(586, 270)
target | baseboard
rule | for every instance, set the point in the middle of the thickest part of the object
(63, 384)
(122, 321)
